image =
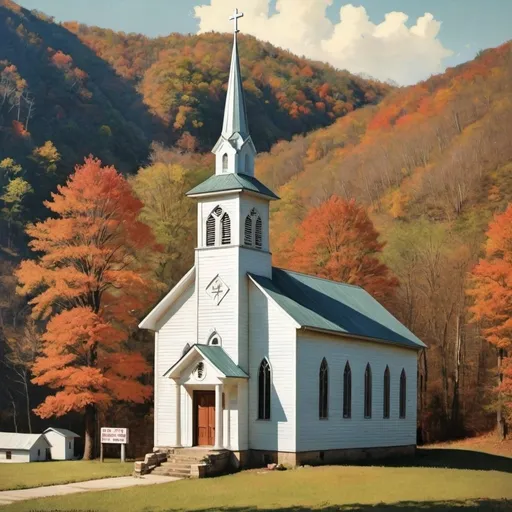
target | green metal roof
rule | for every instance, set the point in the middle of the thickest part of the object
(221, 361)
(231, 181)
(325, 305)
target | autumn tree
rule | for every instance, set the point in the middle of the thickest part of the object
(91, 287)
(338, 241)
(492, 292)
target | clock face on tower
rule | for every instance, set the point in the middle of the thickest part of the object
(217, 289)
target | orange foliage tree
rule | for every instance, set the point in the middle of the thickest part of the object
(90, 285)
(338, 241)
(492, 291)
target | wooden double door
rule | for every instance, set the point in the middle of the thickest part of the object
(204, 416)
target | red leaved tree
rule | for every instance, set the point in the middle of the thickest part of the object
(338, 241)
(492, 291)
(90, 285)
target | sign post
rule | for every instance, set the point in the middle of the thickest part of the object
(110, 435)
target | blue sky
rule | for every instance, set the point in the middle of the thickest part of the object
(466, 25)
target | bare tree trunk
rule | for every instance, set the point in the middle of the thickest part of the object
(27, 397)
(455, 413)
(500, 419)
(90, 432)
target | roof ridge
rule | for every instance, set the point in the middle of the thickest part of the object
(320, 278)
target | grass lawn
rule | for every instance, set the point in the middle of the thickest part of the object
(434, 481)
(36, 474)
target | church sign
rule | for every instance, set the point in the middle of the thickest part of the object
(111, 435)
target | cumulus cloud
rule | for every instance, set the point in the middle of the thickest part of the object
(389, 50)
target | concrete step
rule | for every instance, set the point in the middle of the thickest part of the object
(175, 465)
(180, 473)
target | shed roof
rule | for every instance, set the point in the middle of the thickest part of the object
(231, 181)
(16, 441)
(324, 305)
(62, 431)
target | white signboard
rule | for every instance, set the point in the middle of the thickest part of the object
(114, 435)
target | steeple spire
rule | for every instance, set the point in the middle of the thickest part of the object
(235, 115)
(235, 150)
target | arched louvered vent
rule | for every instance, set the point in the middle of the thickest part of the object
(224, 162)
(248, 231)
(258, 232)
(210, 231)
(226, 229)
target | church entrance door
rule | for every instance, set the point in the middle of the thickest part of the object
(204, 418)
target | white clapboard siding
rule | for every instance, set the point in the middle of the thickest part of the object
(337, 432)
(272, 335)
(175, 330)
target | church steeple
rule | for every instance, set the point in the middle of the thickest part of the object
(235, 150)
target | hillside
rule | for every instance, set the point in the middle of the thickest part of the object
(433, 163)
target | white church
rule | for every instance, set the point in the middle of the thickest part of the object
(269, 364)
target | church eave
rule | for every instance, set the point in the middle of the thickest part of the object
(152, 318)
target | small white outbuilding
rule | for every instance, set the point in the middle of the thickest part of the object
(16, 447)
(62, 442)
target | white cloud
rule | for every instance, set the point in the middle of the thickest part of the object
(389, 50)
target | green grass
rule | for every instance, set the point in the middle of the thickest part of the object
(37, 474)
(433, 482)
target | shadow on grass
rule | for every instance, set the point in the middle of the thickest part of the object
(402, 506)
(449, 458)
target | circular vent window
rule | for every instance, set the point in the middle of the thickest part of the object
(200, 371)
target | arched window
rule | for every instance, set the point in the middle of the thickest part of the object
(186, 348)
(214, 339)
(323, 390)
(368, 392)
(210, 231)
(387, 392)
(347, 392)
(224, 162)
(247, 170)
(258, 233)
(402, 393)
(226, 229)
(253, 229)
(248, 230)
(264, 389)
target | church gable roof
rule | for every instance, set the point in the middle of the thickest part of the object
(215, 355)
(231, 181)
(320, 304)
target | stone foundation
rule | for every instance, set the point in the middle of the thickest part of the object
(212, 462)
(260, 458)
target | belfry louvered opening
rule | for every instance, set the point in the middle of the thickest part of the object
(226, 229)
(253, 230)
(210, 231)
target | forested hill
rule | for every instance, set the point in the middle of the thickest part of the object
(433, 164)
(90, 90)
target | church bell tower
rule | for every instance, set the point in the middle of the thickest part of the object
(232, 227)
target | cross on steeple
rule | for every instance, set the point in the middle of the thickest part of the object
(235, 17)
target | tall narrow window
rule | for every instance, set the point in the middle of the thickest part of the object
(402, 394)
(226, 229)
(258, 235)
(323, 398)
(248, 230)
(387, 392)
(347, 392)
(210, 231)
(264, 388)
(224, 162)
(368, 392)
